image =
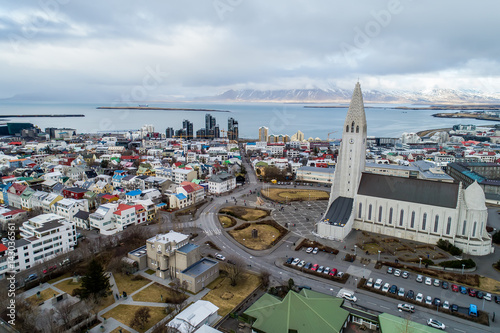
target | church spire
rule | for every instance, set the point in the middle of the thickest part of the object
(356, 112)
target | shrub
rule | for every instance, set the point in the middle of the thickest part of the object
(469, 263)
(448, 247)
(496, 237)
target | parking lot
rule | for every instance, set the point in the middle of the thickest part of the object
(301, 216)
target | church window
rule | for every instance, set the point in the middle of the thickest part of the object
(390, 216)
(380, 214)
(359, 210)
(481, 230)
(347, 128)
(357, 129)
(401, 217)
(436, 223)
(412, 224)
(464, 227)
(424, 221)
(352, 127)
(448, 226)
(370, 212)
(474, 229)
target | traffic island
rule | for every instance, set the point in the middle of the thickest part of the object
(260, 235)
(284, 195)
(245, 213)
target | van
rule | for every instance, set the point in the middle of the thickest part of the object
(369, 283)
(472, 310)
(378, 284)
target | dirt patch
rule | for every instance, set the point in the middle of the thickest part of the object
(489, 285)
(227, 221)
(245, 213)
(268, 234)
(287, 195)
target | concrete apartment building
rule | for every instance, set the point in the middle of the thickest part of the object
(222, 182)
(314, 174)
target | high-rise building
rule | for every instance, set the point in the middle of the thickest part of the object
(216, 131)
(299, 136)
(187, 126)
(263, 133)
(232, 129)
(169, 132)
(209, 122)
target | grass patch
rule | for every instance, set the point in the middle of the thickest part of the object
(245, 213)
(154, 292)
(149, 271)
(266, 235)
(373, 248)
(227, 297)
(283, 194)
(129, 283)
(68, 286)
(125, 313)
(227, 221)
(489, 285)
(106, 301)
(44, 295)
(62, 277)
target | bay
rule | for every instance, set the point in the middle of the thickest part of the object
(383, 120)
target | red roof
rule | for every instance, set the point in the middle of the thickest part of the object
(121, 208)
(109, 196)
(135, 157)
(19, 188)
(13, 212)
(18, 143)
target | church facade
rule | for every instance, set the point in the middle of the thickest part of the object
(406, 208)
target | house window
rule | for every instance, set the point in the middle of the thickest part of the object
(359, 210)
(370, 212)
(481, 229)
(380, 213)
(448, 226)
(474, 229)
(424, 221)
(464, 227)
(436, 223)
(401, 217)
(412, 224)
(390, 216)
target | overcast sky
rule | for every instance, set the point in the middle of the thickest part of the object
(159, 50)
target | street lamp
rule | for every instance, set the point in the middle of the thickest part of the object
(355, 246)
(331, 289)
(463, 266)
(420, 263)
(378, 255)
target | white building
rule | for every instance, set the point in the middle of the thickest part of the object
(183, 175)
(220, 183)
(416, 209)
(194, 316)
(67, 208)
(102, 218)
(314, 174)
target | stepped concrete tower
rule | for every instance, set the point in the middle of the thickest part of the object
(338, 219)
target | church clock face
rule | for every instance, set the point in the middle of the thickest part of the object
(351, 140)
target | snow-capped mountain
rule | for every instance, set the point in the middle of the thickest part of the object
(434, 96)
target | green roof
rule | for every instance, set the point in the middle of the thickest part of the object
(196, 181)
(261, 164)
(392, 324)
(307, 311)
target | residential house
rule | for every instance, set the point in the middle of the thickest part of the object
(14, 194)
(194, 317)
(81, 219)
(49, 200)
(102, 218)
(221, 183)
(183, 175)
(74, 192)
(26, 202)
(67, 208)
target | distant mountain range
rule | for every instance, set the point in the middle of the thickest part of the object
(338, 95)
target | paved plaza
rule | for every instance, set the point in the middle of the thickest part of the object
(301, 216)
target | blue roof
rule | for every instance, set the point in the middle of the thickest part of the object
(188, 248)
(180, 196)
(251, 143)
(161, 204)
(134, 192)
(199, 267)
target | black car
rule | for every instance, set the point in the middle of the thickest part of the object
(480, 294)
(308, 265)
(289, 260)
(445, 285)
(436, 301)
(454, 308)
(410, 294)
(497, 299)
(394, 289)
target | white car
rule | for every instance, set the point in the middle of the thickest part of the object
(378, 284)
(302, 263)
(419, 297)
(397, 272)
(327, 270)
(401, 292)
(436, 324)
(428, 300)
(428, 281)
(385, 288)
(340, 274)
(369, 283)
(419, 278)
(487, 296)
(349, 296)
(446, 305)
(437, 283)
(309, 250)
(295, 261)
(220, 257)
(406, 307)
(315, 251)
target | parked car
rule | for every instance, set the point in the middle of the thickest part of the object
(472, 292)
(390, 270)
(480, 295)
(314, 267)
(386, 287)
(487, 296)
(315, 251)
(321, 269)
(289, 260)
(446, 305)
(419, 297)
(454, 288)
(31, 277)
(220, 257)
(378, 284)
(369, 283)
(428, 300)
(401, 292)
(406, 307)
(463, 290)
(437, 283)
(454, 308)
(295, 261)
(428, 281)
(340, 274)
(394, 289)
(50, 269)
(444, 285)
(419, 278)
(308, 265)
(436, 324)
(410, 294)
(333, 272)
(405, 275)
(309, 250)
(436, 301)
(349, 296)
(301, 264)
(497, 299)
(397, 272)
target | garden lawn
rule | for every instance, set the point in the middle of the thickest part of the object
(129, 283)
(283, 194)
(68, 286)
(264, 236)
(44, 295)
(244, 213)
(125, 313)
(226, 221)
(154, 292)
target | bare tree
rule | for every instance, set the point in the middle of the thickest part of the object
(27, 316)
(141, 317)
(235, 268)
(64, 312)
(265, 278)
(50, 325)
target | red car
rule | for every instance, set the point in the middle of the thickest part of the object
(333, 272)
(454, 288)
(50, 269)
(315, 267)
(472, 292)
